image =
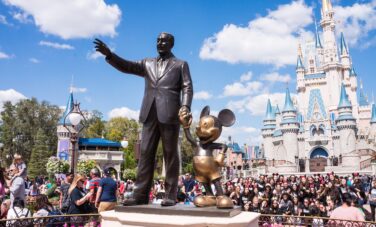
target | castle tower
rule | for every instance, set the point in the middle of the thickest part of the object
(267, 131)
(290, 128)
(300, 71)
(346, 125)
(345, 57)
(328, 26)
(64, 145)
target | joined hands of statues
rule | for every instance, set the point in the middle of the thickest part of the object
(185, 117)
(102, 48)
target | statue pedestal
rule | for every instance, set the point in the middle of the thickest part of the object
(179, 215)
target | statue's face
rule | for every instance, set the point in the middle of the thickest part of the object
(164, 44)
(207, 130)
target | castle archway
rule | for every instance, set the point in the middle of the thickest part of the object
(318, 159)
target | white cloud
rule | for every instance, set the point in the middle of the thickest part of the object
(78, 89)
(242, 89)
(276, 77)
(22, 17)
(34, 60)
(202, 95)
(256, 105)
(271, 39)
(92, 55)
(56, 45)
(246, 76)
(3, 20)
(356, 21)
(4, 55)
(124, 112)
(71, 18)
(237, 132)
(10, 95)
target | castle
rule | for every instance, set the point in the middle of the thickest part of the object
(331, 126)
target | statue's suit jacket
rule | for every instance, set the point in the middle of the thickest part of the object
(170, 89)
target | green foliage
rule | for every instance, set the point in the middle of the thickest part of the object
(39, 155)
(95, 127)
(56, 165)
(22, 122)
(51, 192)
(159, 159)
(187, 152)
(84, 166)
(129, 160)
(129, 174)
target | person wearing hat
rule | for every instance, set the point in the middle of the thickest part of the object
(107, 193)
(20, 165)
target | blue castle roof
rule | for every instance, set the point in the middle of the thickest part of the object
(289, 106)
(277, 110)
(299, 63)
(270, 114)
(98, 142)
(362, 98)
(373, 114)
(343, 50)
(68, 108)
(344, 99)
(352, 72)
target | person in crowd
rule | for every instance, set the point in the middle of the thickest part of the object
(296, 206)
(33, 189)
(64, 200)
(235, 196)
(17, 185)
(17, 210)
(107, 194)
(94, 185)
(255, 206)
(20, 165)
(285, 205)
(3, 185)
(372, 199)
(189, 185)
(5, 206)
(43, 206)
(346, 211)
(79, 201)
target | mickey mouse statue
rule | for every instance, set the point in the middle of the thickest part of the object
(205, 165)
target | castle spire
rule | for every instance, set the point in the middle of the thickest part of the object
(352, 72)
(344, 99)
(318, 41)
(299, 62)
(326, 6)
(269, 111)
(68, 107)
(373, 114)
(344, 50)
(289, 106)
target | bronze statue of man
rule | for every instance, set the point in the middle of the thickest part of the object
(168, 90)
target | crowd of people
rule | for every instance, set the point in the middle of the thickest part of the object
(316, 196)
(326, 195)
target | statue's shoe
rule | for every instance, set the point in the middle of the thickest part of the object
(168, 202)
(205, 201)
(224, 202)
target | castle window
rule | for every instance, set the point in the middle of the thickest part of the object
(312, 70)
(311, 62)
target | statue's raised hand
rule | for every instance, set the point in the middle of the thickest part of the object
(102, 47)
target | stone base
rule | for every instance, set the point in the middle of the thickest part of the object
(179, 215)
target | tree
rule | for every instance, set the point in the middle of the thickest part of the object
(21, 123)
(84, 166)
(39, 156)
(187, 151)
(119, 127)
(95, 127)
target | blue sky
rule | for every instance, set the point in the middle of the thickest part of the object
(239, 52)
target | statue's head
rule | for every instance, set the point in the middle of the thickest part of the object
(165, 42)
(210, 127)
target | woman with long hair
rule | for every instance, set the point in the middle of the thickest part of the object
(43, 206)
(79, 199)
(2, 185)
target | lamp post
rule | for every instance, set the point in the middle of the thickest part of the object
(73, 123)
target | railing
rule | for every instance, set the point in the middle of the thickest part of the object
(87, 220)
(365, 163)
(285, 220)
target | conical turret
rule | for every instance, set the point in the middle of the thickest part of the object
(362, 98)
(269, 111)
(68, 108)
(289, 106)
(343, 48)
(373, 114)
(344, 99)
(352, 72)
(317, 41)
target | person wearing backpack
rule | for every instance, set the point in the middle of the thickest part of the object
(64, 196)
(17, 211)
(44, 208)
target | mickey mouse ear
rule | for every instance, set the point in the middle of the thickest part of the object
(226, 117)
(205, 111)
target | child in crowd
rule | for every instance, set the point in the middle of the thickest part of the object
(20, 165)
